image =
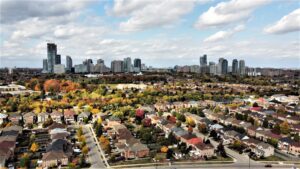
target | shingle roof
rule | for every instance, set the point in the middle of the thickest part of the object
(54, 155)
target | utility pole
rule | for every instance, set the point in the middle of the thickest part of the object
(249, 162)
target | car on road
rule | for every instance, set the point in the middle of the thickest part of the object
(268, 165)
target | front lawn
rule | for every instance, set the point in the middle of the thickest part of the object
(139, 161)
(220, 158)
(271, 158)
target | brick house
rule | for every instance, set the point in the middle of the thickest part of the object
(55, 158)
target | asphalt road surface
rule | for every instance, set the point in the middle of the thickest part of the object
(94, 153)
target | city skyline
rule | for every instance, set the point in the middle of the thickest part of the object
(263, 33)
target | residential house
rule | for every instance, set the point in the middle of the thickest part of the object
(187, 137)
(285, 143)
(84, 115)
(15, 118)
(69, 116)
(42, 117)
(54, 158)
(205, 150)
(3, 118)
(195, 117)
(295, 148)
(5, 154)
(29, 118)
(136, 150)
(216, 127)
(56, 125)
(251, 130)
(263, 150)
(127, 145)
(56, 116)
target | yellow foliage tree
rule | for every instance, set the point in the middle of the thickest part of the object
(95, 111)
(34, 147)
(164, 149)
(99, 121)
(81, 138)
(85, 150)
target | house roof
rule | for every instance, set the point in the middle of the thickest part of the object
(286, 140)
(8, 144)
(56, 113)
(231, 133)
(251, 141)
(10, 133)
(5, 152)
(272, 135)
(255, 108)
(296, 144)
(252, 127)
(54, 155)
(264, 145)
(13, 128)
(181, 133)
(29, 114)
(58, 145)
(43, 114)
(195, 141)
(69, 113)
(114, 118)
(84, 114)
(59, 136)
(56, 125)
(3, 116)
(216, 126)
(138, 147)
(188, 136)
(8, 138)
(202, 146)
(124, 134)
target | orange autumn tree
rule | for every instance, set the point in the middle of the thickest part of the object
(67, 86)
(52, 86)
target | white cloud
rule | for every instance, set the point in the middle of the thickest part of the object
(225, 13)
(148, 14)
(221, 35)
(288, 23)
(15, 10)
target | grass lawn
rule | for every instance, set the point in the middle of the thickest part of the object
(219, 158)
(271, 158)
(141, 161)
(160, 156)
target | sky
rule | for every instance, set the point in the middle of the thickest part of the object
(163, 33)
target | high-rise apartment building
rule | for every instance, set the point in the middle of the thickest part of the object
(203, 64)
(242, 67)
(59, 69)
(45, 65)
(51, 55)
(235, 66)
(69, 63)
(137, 64)
(127, 65)
(57, 59)
(222, 66)
(117, 66)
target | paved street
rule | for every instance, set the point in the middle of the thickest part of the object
(211, 166)
(94, 153)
